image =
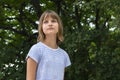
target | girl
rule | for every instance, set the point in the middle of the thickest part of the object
(46, 60)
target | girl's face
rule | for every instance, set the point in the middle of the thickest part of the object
(50, 26)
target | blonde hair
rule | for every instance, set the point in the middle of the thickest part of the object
(54, 15)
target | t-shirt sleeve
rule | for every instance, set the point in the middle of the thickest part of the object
(34, 53)
(67, 60)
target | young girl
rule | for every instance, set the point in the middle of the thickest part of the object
(46, 60)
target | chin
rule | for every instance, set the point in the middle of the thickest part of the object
(52, 33)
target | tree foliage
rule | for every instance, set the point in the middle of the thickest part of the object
(91, 30)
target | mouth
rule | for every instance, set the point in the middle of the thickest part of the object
(50, 28)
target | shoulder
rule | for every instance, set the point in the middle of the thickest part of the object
(64, 52)
(35, 52)
(36, 46)
(66, 58)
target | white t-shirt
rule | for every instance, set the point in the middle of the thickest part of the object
(51, 62)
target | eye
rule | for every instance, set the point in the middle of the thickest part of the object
(45, 21)
(54, 20)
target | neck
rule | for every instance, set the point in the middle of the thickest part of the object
(51, 42)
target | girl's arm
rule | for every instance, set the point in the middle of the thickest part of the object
(31, 69)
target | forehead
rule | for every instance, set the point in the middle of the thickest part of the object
(49, 15)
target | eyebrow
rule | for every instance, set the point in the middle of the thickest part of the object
(47, 19)
(50, 15)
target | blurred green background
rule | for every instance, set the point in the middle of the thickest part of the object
(91, 30)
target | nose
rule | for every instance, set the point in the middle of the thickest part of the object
(49, 23)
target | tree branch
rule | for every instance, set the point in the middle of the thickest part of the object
(36, 5)
(77, 16)
(97, 18)
(14, 30)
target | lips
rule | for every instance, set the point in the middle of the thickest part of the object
(50, 28)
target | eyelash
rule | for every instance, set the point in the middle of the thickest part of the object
(51, 21)
(54, 21)
(45, 21)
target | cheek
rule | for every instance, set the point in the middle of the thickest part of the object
(57, 28)
(44, 29)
